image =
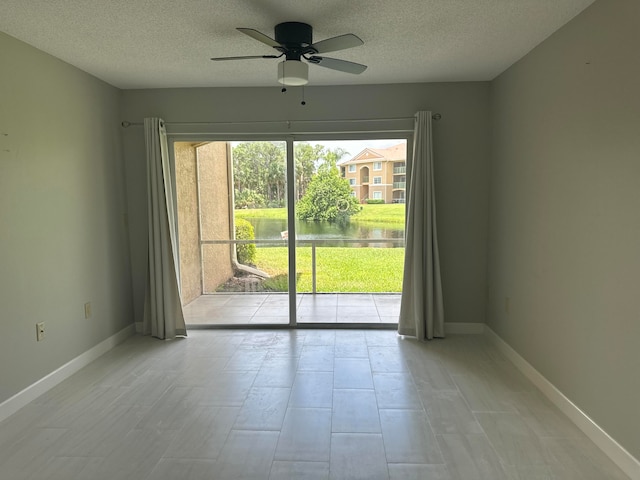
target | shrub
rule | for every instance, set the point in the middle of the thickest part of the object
(328, 198)
(275, 204)
(246, 252)
(278, 283)
(375, 201)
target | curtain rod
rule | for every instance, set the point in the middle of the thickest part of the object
(435, 116)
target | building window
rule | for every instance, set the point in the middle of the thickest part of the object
(377, 165)
(352, 168)
(352, 181)
(377, 195)
(377, 180)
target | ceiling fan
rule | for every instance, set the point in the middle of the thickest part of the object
(294, 41)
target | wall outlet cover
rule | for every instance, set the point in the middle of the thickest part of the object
(40, 331)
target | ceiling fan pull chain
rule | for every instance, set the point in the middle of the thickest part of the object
(303, 101)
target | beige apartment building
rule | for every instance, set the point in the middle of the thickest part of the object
(377, 174)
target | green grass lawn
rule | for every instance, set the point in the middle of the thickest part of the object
(389, 214)
(339, 269)
(379, 215)
(271, 213)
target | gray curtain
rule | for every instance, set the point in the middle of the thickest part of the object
(421, 308)
(163, 316)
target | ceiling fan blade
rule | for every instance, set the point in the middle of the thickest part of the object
(341, 42)
(246, 57)
(340, 65)
(261, 37)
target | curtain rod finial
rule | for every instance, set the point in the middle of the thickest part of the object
(125, 124)
(436, 116)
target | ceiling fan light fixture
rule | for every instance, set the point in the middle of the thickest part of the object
(293, 73)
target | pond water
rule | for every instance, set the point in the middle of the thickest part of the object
(331, 234)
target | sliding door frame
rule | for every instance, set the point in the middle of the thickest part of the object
(291, 225)
(289, 139)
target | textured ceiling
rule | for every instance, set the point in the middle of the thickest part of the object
(168, 43)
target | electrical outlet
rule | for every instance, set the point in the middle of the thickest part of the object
(87, 310)
(40, 331)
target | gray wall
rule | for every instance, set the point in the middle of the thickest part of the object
(62, 235)
(564, 233)
(461, 154)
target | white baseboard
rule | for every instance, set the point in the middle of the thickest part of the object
(464, 328)
(616, 452)
(33, 391)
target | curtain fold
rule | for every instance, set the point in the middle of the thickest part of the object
(163, 316)
(421, 306)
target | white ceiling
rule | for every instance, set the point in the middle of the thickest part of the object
(168, 43)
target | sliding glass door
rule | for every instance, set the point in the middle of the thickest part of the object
(350, 230)
(232, 214)
(292, 231)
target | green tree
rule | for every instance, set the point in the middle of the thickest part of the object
(259, 173)
(330, 158)
(306, 158)
(328, 198)
(249, 199)
(276, 179)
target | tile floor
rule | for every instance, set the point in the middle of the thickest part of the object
(262, 308)
(297, 404)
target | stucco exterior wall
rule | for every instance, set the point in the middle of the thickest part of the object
(188, 235)
(215, 206)
(203, 271)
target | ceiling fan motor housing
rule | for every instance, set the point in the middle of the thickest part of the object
(294, 34)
